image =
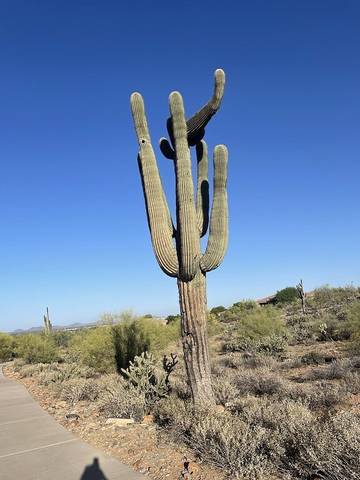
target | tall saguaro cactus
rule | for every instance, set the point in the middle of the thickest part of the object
(177, 247)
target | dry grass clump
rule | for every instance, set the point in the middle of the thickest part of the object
(225, 389)
(317, 395)
(351, 383)
(18, 364)
(77, 389)
(59, 373)
(261, 381)
(335, 371)
(30, 370)
(118, 398)
(235, 360)
(265, 437)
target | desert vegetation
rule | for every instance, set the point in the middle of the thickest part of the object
(286, 383)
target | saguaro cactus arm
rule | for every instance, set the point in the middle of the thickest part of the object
(160, 224)
(218, 235)
(202, 197)
(188, 241)
(195, 126)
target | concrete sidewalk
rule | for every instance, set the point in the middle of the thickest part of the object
(33, 446)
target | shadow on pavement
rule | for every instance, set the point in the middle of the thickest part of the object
(93, 472)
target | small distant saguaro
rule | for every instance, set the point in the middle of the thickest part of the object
(47, 323)
(177, 245)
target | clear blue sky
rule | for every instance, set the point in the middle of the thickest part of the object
(73, 227)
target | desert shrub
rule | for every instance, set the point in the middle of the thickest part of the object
(158, 334)
(62, 338)
(353, 324)
(336, 370)
(172, 319)
(259, 382)
(232, 360)
(286, 295)
(329, 327)
(60, 373)
(260, 322)
(94, 348)
(118, 398)
(238, 310)
(225, 390)
(7, 347)
(217, 310)
(351, 383)
(111, 347)
(329, 449)
(77, 389)
(268, 436)
(18, 364)
(272, 345)
(245, 306)
(316, 396)
(325, 296)
(32, 370)
(36, 348)
(129, 340)
(228, 442)
(301, 328)
(315, 358)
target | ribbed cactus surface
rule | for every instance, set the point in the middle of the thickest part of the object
(177, 245)
(178, 249)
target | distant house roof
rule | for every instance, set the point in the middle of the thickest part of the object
(266, 300)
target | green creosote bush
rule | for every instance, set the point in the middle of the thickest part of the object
(36, 348)
(62, 338)
(274, 345)
(238, 310)
(326, 296)
(7, 347)
(353, 323)
(110, 348)
(172, 319)
(218, 309)
(260, 322)
(286, 295)
(94, 348)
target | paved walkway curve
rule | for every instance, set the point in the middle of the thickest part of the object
(33, 446)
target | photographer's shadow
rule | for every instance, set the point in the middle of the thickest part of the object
(93, 472)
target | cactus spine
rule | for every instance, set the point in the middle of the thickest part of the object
(177, 248)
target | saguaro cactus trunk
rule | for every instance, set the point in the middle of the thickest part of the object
(177, 248)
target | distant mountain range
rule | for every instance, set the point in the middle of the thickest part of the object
(72, 326)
